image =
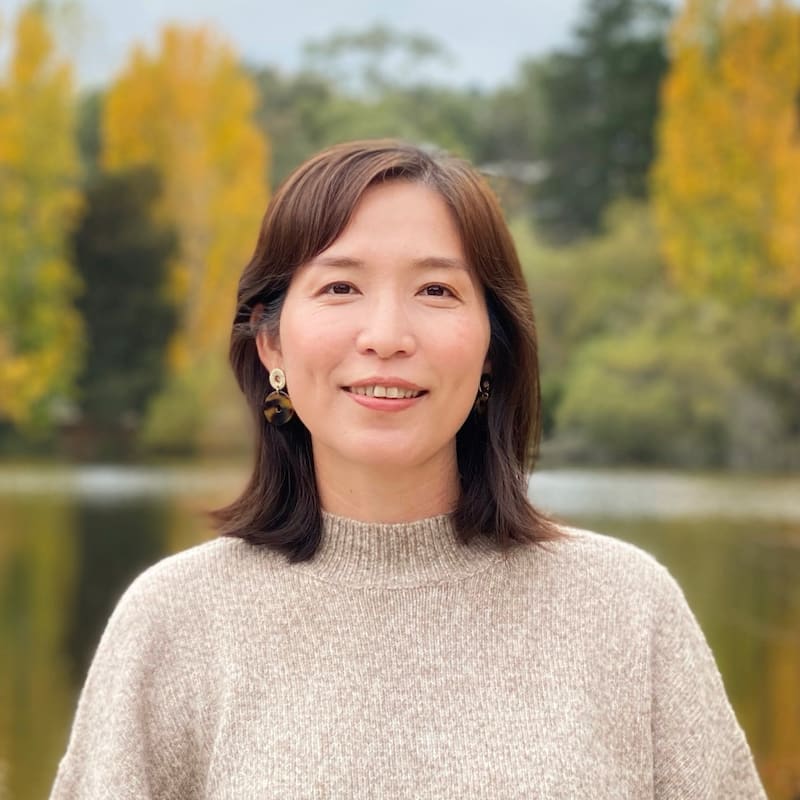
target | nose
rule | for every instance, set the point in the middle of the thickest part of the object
(385, 330)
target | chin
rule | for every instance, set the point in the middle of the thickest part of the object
(387, 452)
(386, 457)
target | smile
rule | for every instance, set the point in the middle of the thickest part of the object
(389, 392)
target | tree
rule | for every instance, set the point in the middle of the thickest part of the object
(363, 84)
(650, 394)
(385, 59)
(294, 113)
(90, 108)
(122, 253)
(511, 119)
(601, 102)
(725, 182)
(40, 331)
(725, 193)
(187, 112)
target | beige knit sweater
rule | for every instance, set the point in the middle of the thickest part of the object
(401, 664)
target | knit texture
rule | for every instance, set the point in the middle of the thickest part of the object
(400, 663)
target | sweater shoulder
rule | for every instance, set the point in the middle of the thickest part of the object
(207, 559)
(582, 548)
(580, 545)
(587, 563)
(196, 580)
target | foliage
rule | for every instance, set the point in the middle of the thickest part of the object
(511, 119)
(40, 332)
(187, 111)
(677, 342)
(634, 371)
(122, 253)
(375, 60)
(725, 194)
(601, 103)
(89, 112)
(293, 111)
(597, 286)
(347, 90)
(725, 183)
(651, 394)
(765, 415)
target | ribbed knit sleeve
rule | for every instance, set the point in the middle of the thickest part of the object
(135, 733)
(699, 750)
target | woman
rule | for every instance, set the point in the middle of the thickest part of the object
(386, 615)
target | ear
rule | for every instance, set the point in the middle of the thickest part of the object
(269, 352)
(268, 347)
(487, 366)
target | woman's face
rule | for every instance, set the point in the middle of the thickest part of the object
(384, 335)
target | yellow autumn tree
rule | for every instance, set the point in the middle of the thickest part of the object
(726, 176)
(40, 331)
(187, 110)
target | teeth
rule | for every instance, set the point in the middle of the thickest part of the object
(393, 392)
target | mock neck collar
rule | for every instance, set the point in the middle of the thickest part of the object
(403, 554)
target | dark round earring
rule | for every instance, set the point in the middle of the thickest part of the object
(484, 393)
(278, 409)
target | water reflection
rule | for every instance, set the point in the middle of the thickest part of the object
(113, 544)
(36, 696)
(73, 539)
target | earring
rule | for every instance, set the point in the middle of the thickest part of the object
(484, 393)
(278, 409)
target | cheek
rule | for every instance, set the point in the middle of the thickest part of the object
(465, 347)
(311, 349)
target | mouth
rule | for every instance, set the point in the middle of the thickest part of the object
(385, 392)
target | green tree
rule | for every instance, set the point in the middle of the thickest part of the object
(90, 113)
(623, 378)
(294, 112)
(650, 394)
(369, 62)
(122, 254)
(601, 102)
(634, 370)
(595, 287)
(511, 118)
(358, 84)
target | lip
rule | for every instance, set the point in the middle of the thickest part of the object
(386, 403)
(379, 380)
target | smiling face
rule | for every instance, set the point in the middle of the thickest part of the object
(384, 335)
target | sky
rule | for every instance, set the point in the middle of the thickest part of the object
(486, 40)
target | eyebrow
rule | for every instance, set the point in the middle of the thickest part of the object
(427, 262)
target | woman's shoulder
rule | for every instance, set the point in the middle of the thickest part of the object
(584, 562)
(199, 578)
(584, 546)
(202, 562)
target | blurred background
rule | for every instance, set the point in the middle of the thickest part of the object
(647, 156)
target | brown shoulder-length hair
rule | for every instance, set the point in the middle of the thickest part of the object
(280, 505)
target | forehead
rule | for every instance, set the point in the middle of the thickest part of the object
(402, 215)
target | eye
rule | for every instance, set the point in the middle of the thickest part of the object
(338, 288)
(436, 290)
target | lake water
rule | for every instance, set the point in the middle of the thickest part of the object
(72, 539)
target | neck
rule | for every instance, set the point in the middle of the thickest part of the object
(386, 493)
